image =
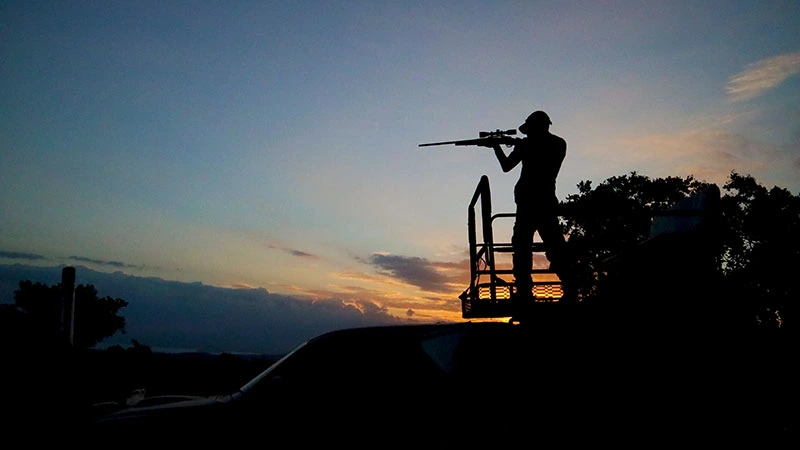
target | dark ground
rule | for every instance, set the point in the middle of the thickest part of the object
(81, 384)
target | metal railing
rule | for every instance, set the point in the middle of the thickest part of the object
(492, 298)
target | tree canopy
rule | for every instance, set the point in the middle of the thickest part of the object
(39, 307)
(762, 245)
(758, 234)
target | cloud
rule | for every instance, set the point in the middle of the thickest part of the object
(21, 255)
(293, 252)
(415, 271)
(711, 154)
(762, 76)
(168, 314)
(357, 276)
(300, 253)
(390, 300)
(100, 262)
(240, 286)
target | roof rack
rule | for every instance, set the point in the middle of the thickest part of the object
(489, 295)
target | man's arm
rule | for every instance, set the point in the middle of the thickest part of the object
(506, 162)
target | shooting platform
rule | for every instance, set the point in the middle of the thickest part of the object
(685, 235)
(488, 294)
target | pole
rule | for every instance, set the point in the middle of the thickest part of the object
(68, 304)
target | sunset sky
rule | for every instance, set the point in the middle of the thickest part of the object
(275, 144)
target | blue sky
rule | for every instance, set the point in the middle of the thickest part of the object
(274, 144)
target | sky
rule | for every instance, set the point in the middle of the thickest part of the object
(273, 146)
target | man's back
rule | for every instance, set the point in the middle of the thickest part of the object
(541, 156)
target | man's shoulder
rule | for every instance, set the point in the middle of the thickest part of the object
(558, 140)
(557, 144)
(549, 140)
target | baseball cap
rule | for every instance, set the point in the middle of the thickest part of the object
(536, 117)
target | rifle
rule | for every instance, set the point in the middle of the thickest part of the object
(485, 139)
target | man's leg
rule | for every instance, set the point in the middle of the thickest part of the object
(522, 258)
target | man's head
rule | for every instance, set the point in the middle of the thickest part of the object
(537, 122)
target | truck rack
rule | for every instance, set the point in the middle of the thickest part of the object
(489, 295)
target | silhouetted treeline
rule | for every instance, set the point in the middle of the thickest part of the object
(35, 321)
(755, 248)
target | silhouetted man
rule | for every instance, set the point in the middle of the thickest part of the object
(541, 154)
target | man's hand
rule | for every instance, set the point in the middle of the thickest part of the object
(490, 143)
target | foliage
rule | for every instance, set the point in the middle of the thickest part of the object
(96, 318)
(40, 308)
(762, 251)
(615, 217)
(759, 232)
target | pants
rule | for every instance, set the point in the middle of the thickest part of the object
(541, 217)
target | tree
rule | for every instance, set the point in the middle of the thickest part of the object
(96, 318)
(39, 311)
(758, 235)
(762, 247)
(614, 218)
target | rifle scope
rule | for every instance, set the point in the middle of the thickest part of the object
(496, 133)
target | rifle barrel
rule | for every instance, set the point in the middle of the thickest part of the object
(496, 137)
(438, 143)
